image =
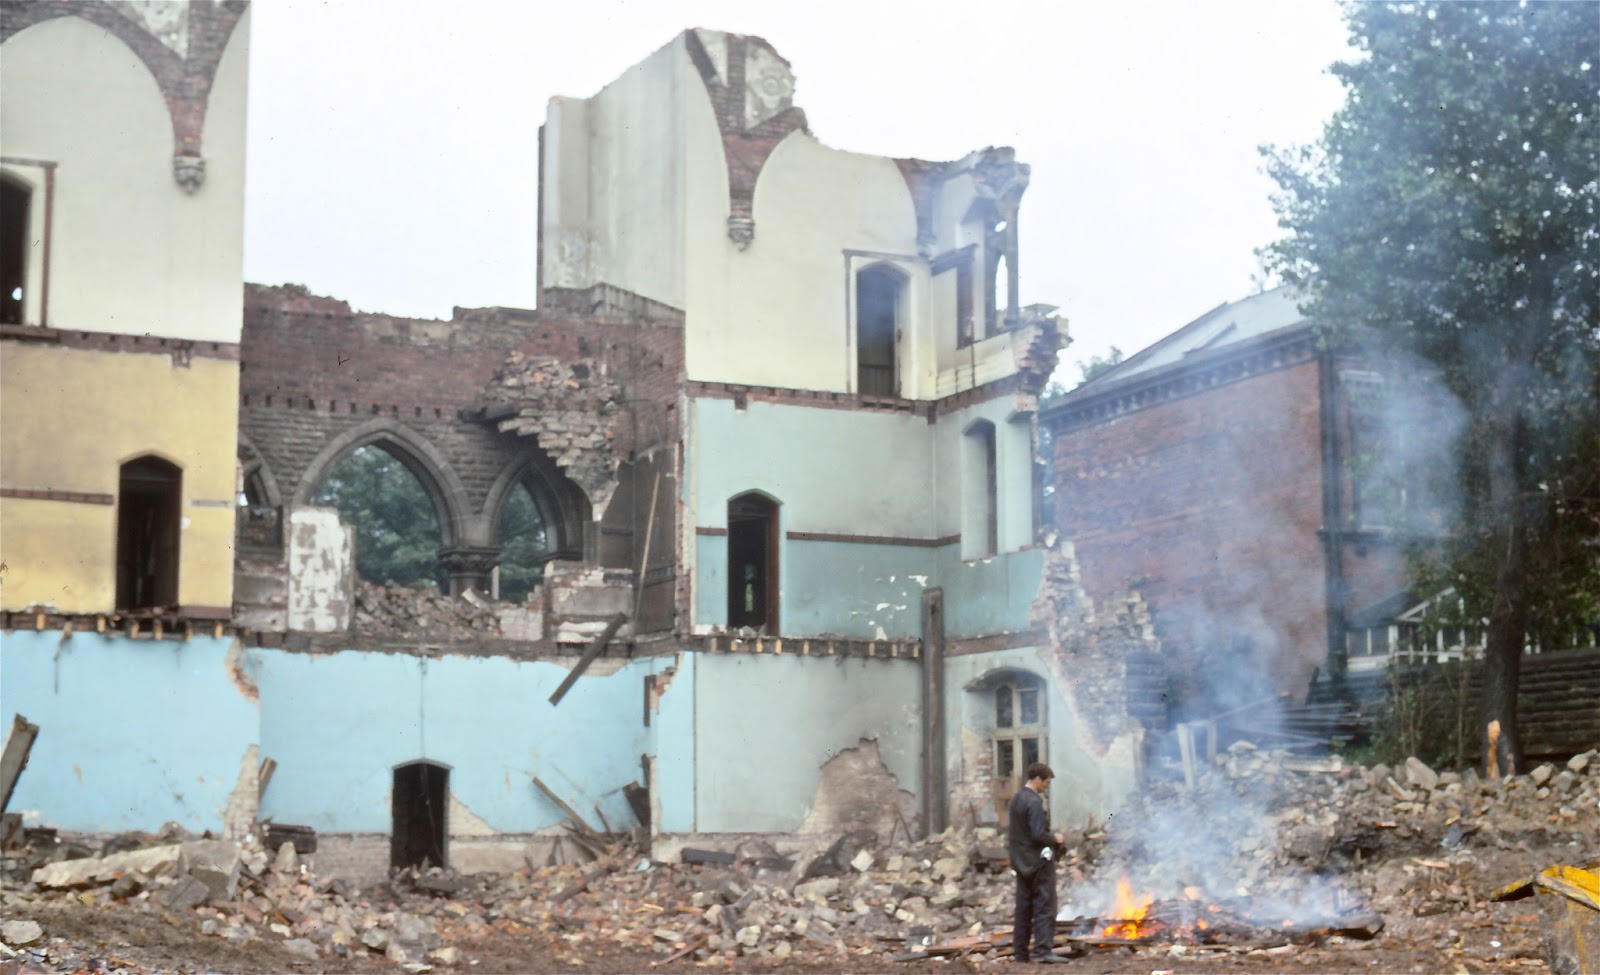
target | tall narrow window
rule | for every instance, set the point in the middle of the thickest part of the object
(14, 199)
(879, 290)
(980, 529)
(149, 495)
(753, 562)
(1019, 734)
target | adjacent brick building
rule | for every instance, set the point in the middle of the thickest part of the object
(1212, 473)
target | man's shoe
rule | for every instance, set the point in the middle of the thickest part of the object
(1050, 958)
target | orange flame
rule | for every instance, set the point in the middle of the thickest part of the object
(1128, 913)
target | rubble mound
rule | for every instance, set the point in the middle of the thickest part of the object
(1267, 833)
(420, 612)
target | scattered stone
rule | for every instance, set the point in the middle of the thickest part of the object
(21, 934)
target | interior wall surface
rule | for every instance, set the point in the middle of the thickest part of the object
(786, 321)
(487, 719)
(613, 183)
(131, 251)
(764, 725)
(70, 424)
(132, 733)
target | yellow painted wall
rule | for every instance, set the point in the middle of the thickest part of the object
(70, 420)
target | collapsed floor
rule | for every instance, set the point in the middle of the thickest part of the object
(1294, 843)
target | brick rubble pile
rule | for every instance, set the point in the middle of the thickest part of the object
(1306, 834)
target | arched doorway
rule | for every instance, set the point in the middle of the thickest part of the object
(419, 804)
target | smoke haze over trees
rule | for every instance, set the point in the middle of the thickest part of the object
(1449, 214)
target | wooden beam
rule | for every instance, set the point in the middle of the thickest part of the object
(590, 653)
(15, 758)
(561, 804)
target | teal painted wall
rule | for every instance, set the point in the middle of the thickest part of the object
(132, 733)
(765, 724)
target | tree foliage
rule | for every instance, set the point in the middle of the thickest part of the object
(1449, 213)
(524, 546)
(397, 531)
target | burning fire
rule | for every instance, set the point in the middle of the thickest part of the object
(1128, 913)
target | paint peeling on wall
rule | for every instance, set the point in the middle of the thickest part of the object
(239, 814)
(241, 671)
(856, 790)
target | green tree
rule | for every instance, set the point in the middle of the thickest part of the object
(1449, 212)
(1098, 364)
(523, 546)
(397, 531)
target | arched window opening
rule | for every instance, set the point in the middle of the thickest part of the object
(14, 202)
(1002, 293)
(1019, 734)
(149, 513)
(980, 496)
(397, 529)
(753, 562)
(878, 296)
(524, 545)
(419, 804)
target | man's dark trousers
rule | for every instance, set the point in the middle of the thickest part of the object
(1036, 913)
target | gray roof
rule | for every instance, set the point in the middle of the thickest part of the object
(1229, 322)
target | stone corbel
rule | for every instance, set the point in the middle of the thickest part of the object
(189, 171)
(741, 230)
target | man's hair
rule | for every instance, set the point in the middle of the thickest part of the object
(1038, 770)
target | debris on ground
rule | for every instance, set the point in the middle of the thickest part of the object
(1396, 865)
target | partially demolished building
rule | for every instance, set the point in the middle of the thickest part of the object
(775, 410)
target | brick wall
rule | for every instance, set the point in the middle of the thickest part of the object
(319, 378)
(1209, 504)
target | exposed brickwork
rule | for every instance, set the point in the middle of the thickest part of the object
(319, 380)
(1203, 488)
(745, 148)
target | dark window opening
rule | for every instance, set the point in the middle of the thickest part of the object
(964, 322)
(149, 513)
(524, 545)
(983, 479)
(396, 526)
(878, 291)
(753, 562)
(14, 201)
(419, 807)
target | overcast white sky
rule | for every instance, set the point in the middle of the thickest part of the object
(392, 143)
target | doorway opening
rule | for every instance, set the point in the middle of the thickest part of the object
(419, 804)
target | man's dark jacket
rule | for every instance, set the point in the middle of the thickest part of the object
(1028, 832)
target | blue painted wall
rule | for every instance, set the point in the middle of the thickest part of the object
(765, 724)
(338, 724)
(132, 733)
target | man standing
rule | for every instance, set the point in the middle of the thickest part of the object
(1028, 844)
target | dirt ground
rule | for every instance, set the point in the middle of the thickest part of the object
(1479, 937)
(1414, 853)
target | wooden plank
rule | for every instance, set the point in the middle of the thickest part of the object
(593, 651)
(15, 758)
(561, 804)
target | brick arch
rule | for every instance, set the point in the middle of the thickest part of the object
(561, 503)
(252, 463)
(420, 457)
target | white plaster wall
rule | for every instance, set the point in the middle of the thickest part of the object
(132, 252)
(613, 182)
(322, 554)
(778, 313)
